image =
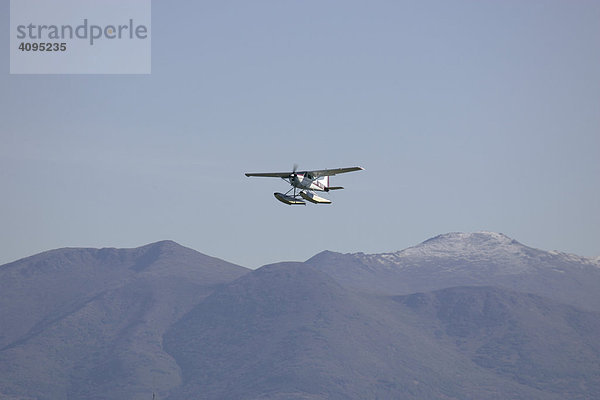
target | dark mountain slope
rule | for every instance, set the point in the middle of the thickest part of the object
(126, 323)
(461, 259)
(46, 287)
(88, 323)
(526, 338)
(289, 331)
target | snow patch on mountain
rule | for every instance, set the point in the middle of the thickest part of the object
(457, 244)
(458, 248)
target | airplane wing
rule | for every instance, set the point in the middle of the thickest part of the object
(334, 171)
(316, 173)
(270, 174)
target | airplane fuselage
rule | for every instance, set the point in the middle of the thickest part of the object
(306, 182)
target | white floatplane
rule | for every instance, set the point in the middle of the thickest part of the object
(305, 183)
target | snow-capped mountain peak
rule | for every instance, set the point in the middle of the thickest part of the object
(459, 249)
(470, 259)
(458, 244)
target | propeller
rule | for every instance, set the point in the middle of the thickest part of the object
(293, 177)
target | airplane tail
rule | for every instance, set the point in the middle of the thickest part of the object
(324, 181)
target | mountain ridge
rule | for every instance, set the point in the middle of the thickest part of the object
(459, 244)
(85, 321)
(292, 328)
(165, 319)
(460, 259)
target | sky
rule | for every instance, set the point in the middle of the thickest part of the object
(466, 115)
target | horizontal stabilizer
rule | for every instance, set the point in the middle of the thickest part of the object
(335, 187)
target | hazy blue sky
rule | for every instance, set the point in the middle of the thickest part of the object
(466, 115)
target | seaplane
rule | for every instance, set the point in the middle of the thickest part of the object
(305, 184)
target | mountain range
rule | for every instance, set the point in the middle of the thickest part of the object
(476, 259)
(459, 316)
